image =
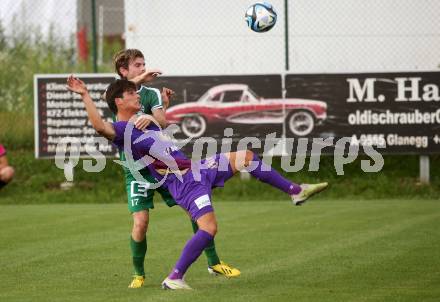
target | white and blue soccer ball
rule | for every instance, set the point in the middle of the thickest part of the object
(261, 17)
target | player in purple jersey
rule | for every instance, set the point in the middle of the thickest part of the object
(178, 174)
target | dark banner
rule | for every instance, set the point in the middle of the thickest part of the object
(398, 111)
(60, 116)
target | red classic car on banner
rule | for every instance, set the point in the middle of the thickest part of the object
(238, 104)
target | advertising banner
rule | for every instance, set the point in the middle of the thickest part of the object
(398, 112)
(60, 116)
(390, 112)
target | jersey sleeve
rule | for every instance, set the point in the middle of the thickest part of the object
(118, 140)
(156, 99)
(153, 98)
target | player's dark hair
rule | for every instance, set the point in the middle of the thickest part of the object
(115, 90)
(124, 57)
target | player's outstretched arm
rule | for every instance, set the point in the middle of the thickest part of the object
(103, 128)
(159, 116)
(147, 76)
(166, 96)
(159, 113)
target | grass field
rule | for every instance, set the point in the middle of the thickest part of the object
(327, 250)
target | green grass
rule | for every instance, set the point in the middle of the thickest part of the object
(327, 250)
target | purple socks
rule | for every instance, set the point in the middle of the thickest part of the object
(265, 173)
(190, 253)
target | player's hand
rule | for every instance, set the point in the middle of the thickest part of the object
(148, 76)
(76, 85)
(142, 122)
(166, 96)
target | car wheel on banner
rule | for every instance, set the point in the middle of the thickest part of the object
(300, 123)
(193, 126)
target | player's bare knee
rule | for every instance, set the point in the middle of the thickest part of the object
(11, 173)
(211, 228)
(208, 223)
(140, 222)
(7, 173)
(140, 227)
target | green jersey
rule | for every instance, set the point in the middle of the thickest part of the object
(150, 99)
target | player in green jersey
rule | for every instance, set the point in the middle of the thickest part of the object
(130, 64)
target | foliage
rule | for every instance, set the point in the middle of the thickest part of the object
(23, 54)
(107, 186)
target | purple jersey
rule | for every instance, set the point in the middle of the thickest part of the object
(154, 149)
(159, 154)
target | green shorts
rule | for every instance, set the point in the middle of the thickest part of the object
(139, 197)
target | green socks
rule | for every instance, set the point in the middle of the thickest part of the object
(138, 251)
(210, 251)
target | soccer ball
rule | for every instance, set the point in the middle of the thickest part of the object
(261, 17)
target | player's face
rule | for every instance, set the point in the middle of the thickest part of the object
(130, 101)
(135, 68)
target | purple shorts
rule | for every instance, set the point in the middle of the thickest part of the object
(194, 193)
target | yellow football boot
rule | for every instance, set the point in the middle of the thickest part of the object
(224, 269)
(307, 191)
(138, 281)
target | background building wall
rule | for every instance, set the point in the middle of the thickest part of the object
(41, 16)
(113, 15)
(211, 37)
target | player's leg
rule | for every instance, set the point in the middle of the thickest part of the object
(248, 160)
(6, 175)
(216, 172)
(215, 266)
(140, 200)
(241, 160)
(193, 248)
(138, 246)
(210, 252)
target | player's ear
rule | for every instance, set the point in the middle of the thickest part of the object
(123, 71)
